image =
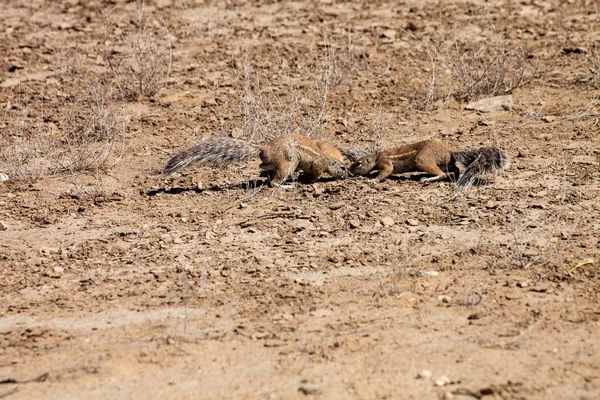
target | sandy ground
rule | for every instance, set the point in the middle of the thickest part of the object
(124, 285)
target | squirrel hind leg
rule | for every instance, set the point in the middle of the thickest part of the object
(430, 167)
(436, 178)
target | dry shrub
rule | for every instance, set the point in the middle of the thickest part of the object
(24, 144)
(84, 132)
(138, 58)
(468, 68)
(273, 104)
(92, 130)
(487, 67)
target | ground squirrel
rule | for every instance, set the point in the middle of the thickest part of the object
(436, 158)
(280, 157)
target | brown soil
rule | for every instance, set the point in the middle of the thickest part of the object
(123, 285)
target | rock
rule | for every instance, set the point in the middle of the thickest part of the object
(3, 177)
(575, 317)
(389, 33)
(442, 381)
(354, 224)
(56, 272)
(412, 222)
(274, 343)
(540, 287)
(425, 374)
(3, 226)
(336, 206)
(387, 221)
(317, 190)
(549, 118)
(298, 225)
(476, 315)
(309, 389)
(444, 299)
(498, 103)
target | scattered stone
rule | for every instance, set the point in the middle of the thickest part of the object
(575, 317)
(49, 219)
(308, 389)
(523, 284)
(318, 190)
(444, 299)
(476, 315)
(354, 224)
(336, 206)
(442, 381)
(274, 343)
(498, 103)
(539, 287)
(491, 204)
(56, 272)
(3, 226)
(512, 296)
(425, 374)
(389, 33)
(412, 222)
(387, 221)
(298, 225)
(549, 118)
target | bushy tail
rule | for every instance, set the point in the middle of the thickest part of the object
(214, 151)
(354, 155)
(480, 161)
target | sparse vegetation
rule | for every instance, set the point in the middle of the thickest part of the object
(468, 67)
(138, 58)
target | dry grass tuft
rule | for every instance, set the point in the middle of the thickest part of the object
(139, 60)
(479, 65)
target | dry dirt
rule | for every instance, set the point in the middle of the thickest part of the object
(124, 285)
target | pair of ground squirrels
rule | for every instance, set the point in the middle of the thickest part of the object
(286, 154)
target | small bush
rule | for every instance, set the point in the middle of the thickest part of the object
(139, 61)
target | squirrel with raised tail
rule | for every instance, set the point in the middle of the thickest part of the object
(280, 157)
(435, 158)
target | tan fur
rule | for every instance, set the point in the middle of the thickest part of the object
(435, 158)
(281, 157)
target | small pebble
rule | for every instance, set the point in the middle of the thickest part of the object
(442, 381)
(425, 374)
(387, 221)
(3, 226)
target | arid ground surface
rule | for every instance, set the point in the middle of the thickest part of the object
(210, 284)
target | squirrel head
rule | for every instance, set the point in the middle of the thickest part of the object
(364, 165)
(337, 169)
